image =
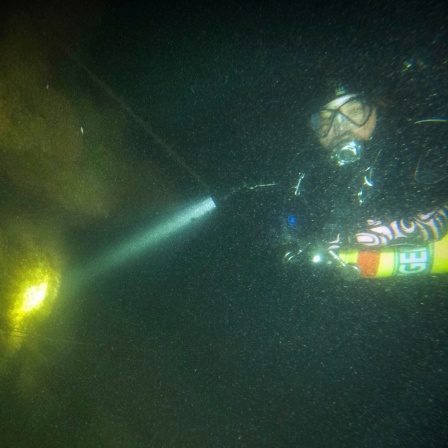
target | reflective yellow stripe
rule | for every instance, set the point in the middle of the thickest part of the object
(440, 262)
(386, 267)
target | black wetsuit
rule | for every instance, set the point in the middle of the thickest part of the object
(396, 193)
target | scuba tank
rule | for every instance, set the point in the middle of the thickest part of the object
(395, 261)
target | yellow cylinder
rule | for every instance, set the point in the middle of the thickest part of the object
(402, 261)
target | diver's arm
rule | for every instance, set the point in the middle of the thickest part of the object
(430, 178)
(423, 228)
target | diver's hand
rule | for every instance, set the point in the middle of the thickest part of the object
(297, 253)
(316, 251)
(320, 255)
(326, 254)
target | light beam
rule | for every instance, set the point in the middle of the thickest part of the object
(148, 239)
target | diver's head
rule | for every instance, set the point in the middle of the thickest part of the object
(342, 122)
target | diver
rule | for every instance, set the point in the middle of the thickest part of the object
(373, 180)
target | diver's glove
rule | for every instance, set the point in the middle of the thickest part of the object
(321, 254)
(310, 251)
(330, 257)
(298, 253)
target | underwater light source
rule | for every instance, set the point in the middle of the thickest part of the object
(34, 296)
(150, 238)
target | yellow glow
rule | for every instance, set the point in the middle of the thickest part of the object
(34, 296)
(33, 301)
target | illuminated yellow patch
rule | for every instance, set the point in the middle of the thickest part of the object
(34, 296)
(36, 289)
